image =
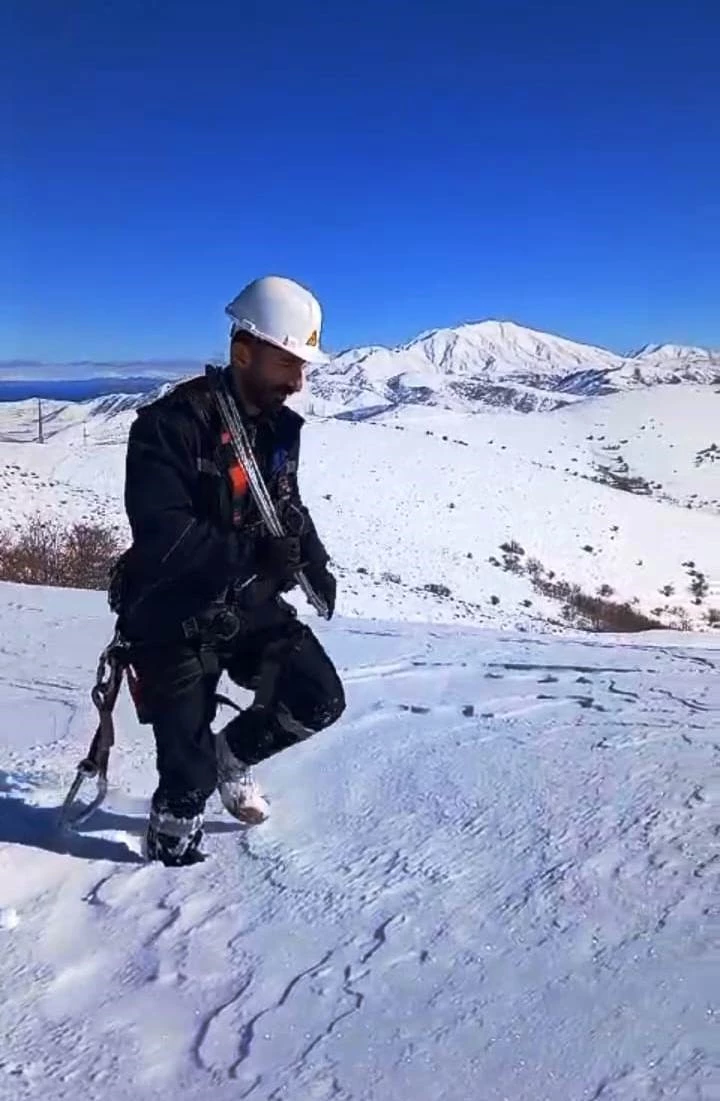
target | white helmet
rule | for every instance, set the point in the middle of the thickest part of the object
(280, 312)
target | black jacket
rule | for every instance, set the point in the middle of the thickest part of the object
(187, 550)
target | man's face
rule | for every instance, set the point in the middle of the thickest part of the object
(269, 375)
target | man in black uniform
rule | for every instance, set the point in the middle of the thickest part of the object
(200, 588)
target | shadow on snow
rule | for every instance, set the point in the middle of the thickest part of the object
(24, 823)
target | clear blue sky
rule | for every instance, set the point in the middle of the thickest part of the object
(416, 164)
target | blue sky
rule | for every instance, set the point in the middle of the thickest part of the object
(416, 164)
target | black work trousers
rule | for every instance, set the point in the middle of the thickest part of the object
(297, 693)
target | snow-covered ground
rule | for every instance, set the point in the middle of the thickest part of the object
(420, 496)
(494, 879)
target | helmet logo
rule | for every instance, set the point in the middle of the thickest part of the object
(312, 340)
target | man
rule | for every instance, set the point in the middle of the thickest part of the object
(200, 588)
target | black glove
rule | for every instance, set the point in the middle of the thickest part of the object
(280, 557)
(324, 584)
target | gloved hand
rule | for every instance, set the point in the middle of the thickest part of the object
(280, 557)
(324, 584)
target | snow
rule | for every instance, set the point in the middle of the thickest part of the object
(9, 917)
(428, 497)
(493, 879)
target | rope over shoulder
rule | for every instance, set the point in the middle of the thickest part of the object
(238, 438)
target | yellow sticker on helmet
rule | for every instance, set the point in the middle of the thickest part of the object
(313, 339)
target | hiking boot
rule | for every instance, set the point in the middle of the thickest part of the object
(240, 793)
(173, 841)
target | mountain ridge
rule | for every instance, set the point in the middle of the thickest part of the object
(481, 365)
(473, 366)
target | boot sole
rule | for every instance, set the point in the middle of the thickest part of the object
(251, 817)
(247, 816)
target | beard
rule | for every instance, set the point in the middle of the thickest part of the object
(263, 395)
(273, 397)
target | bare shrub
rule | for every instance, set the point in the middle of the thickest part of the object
(534, 567)
(437, 589)
(699, 587)
(595, 613)
(606, 615)
(512, 555)
(621, 479)
(44, 552)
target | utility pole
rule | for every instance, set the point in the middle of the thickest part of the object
(41, 438)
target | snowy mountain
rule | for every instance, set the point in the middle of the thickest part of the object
(472, 367)
(494, 879)
(671, 363)
(488, 364)
(494, 364)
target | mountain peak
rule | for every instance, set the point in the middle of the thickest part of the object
(674, 351)
(508, 348)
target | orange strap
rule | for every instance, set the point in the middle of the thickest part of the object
(238, 477)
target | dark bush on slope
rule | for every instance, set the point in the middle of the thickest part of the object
(44, 552)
